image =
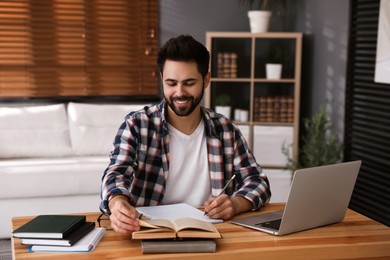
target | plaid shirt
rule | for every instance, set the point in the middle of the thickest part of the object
(140, 160)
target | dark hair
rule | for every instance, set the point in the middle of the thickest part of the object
(184, 48)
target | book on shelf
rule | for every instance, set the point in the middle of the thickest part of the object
(178, 246)
(67, 241)
(270, 109)
(178, 228)
(227, 65)
(50, 226)
(290, 110)
(284, 110)
(274, 109)
(85, 244)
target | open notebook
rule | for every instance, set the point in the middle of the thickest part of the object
(175, 211)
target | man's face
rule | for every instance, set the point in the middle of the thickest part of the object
(183, 86)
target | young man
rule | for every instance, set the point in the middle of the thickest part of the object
(178, 151)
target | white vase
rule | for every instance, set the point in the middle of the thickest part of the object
(259, 21)
(224, 110)
(273, 71)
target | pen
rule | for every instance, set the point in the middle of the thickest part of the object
(224, 188)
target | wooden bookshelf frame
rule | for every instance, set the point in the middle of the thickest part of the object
(252, 80)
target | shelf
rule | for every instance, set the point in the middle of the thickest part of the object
(256, 80)
(253, 123)
(263, 80)
(273, 166)
(230, 80)
(238, 69)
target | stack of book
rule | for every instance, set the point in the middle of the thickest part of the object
(182, 235)
(274, 109)
(176, 228)
(47, 233)
(227, 65)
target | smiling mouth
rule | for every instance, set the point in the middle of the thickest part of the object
(181, 102)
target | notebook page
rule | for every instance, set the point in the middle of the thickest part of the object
(175, 211)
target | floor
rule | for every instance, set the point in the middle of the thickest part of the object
(5, 249)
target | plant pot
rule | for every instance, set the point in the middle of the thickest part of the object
(259, 21)
(273, 71)
(224, 110)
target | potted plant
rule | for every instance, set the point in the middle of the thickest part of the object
(223, 105)
(261, 11)
(274, 63)
(319, 145)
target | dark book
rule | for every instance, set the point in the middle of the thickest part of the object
(50, 226)
(67, 241)
(178, 246)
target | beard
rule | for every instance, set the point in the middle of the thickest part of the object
(184, 111)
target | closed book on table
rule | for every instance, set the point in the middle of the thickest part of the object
(50, 226)
(67, 241)
(178, 228)
(178, 246)
(85, 244)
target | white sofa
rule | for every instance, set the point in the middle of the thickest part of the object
(52, 157)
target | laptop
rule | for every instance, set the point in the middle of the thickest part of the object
(318, 196)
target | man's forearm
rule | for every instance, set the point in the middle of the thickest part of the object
(240, 204)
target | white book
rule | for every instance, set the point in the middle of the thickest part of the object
(175, 211)
(86, 244)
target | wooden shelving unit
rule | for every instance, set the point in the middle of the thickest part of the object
(248, 84)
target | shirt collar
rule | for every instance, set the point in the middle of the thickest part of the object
(209, 124)
(162, 108)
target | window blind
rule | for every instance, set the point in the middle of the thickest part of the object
(367, 124)
(65, 48)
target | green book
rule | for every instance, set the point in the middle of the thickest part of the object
(50, 226)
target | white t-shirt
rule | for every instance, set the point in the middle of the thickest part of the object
(188, 178)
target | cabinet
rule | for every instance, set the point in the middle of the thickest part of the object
(238, 69)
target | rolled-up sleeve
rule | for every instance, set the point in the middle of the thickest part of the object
(118, 175)
(252, 182)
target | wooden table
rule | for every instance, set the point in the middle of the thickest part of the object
(356, 237)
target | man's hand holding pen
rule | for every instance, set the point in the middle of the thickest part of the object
(224, 207)
(221, 207)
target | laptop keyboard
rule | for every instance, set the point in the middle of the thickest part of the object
(274, 224)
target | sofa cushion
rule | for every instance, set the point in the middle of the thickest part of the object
(41, 177)
(93, 126)
(34, 131)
